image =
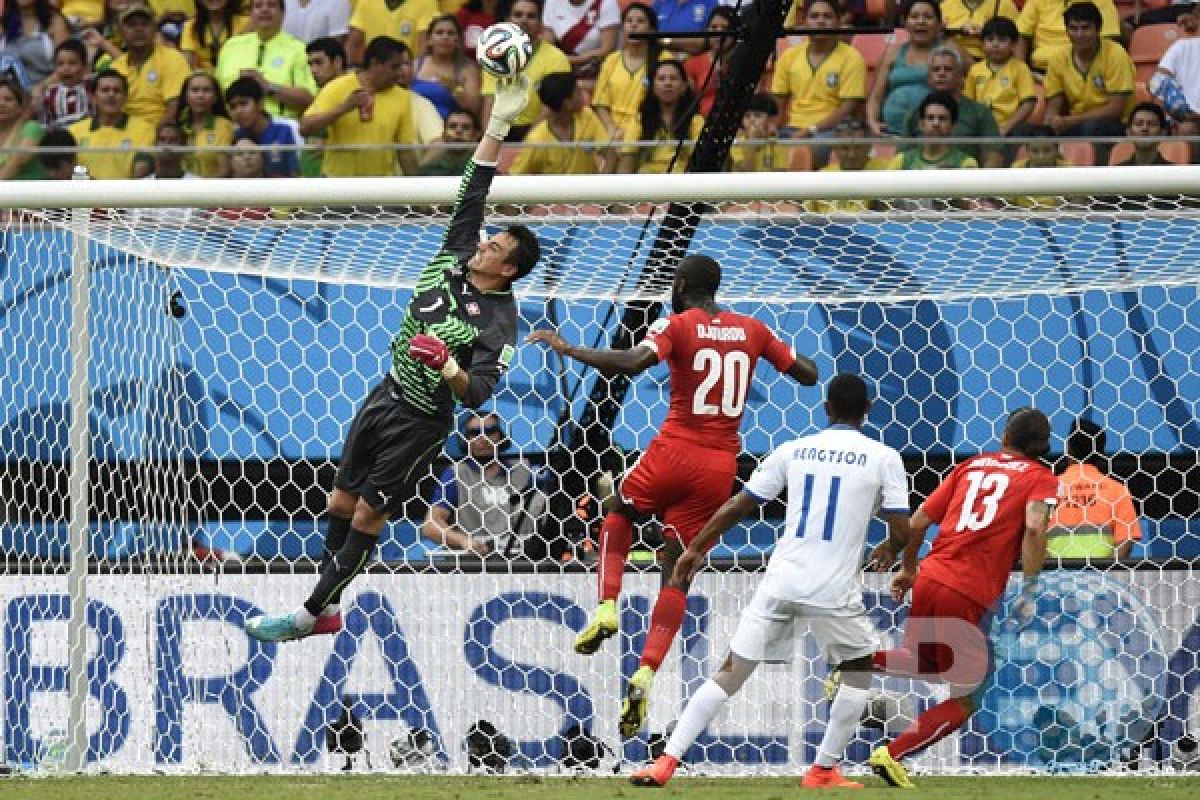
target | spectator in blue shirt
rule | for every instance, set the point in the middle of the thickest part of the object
(245, 97)
(683, 16)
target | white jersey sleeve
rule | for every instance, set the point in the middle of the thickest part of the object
(771, 477)
(894, 485)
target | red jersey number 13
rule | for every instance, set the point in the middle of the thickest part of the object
(982, 500)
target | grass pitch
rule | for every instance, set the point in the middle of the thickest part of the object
(358, 787)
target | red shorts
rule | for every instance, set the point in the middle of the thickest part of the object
(682, 483)
(947, 633)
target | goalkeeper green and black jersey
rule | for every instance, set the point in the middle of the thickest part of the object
(480, 328)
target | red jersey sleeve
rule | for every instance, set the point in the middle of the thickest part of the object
(1045, 488)
(663, 336)
(774, 350)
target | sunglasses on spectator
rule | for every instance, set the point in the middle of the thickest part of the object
(489, 430)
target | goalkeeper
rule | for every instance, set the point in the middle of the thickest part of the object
(456, 339)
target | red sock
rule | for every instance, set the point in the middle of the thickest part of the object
(665, 620)
(934, 725)
(616, 538)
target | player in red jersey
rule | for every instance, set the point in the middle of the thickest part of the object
(688, 470)
(990, 510)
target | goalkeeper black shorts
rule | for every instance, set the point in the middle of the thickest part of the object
(388, 450)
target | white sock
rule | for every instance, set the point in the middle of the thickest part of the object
(700, 710)
(331, 610)
(844, 713)
(305, 620)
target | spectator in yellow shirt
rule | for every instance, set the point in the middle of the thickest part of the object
(621, 84)
(155, 72)
(667, 115)
(366, 107)
(851, 157)
(568, 121)
(547, 59)
(405, 20)
(114, 130)
(326, 60)
(757, 148)
(1002, 82)
(820, 81)
(205, 123)
(1043, 153)
(1043, 29)
(271, 56)
(1089, 86)
(216, 21)
(966, 19)
(1095, 517)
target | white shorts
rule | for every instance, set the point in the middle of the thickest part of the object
(767, 630)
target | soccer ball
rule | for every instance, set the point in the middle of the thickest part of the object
(503, 50)
(888, 713)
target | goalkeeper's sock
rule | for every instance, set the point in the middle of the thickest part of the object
(616, 539)
(346, 563)
(665, 620)
(335, 540)
(700, 710)
(934, 725)
(844, 713)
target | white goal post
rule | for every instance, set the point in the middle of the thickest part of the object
(181, 360)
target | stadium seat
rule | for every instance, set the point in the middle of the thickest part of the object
(1079, 153)
(877, 10)
(1174, 151)
(1148, 45)
(872, 45)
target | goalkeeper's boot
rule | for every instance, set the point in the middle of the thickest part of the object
(657, 774)
(888, 768)
(279, 628)
(637, 701)
(832, 684)
(827, 778)
(602, 626)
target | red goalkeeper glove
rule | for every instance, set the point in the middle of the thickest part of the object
(429, 350)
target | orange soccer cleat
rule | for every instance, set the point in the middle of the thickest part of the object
(827, 778)
(657, 774)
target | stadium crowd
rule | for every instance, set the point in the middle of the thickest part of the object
(281, 88)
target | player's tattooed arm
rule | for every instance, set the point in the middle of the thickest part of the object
(1033, 546)
(633, 361)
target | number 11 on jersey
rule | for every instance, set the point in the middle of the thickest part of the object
(831, 504)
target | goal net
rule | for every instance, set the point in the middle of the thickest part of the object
(178, 381)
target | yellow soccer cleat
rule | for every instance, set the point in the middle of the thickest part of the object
(602, 626)
(888, 768)
(637, 701)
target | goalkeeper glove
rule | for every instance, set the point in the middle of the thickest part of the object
(433, 353)
(512, 95)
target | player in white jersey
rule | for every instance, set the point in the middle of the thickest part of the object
(836, 480)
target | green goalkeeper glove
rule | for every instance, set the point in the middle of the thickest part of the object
(512, 95)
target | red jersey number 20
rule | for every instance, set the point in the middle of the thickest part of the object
(725, 384)
(982, 501)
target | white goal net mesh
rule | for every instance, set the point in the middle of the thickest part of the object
(229, 349)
